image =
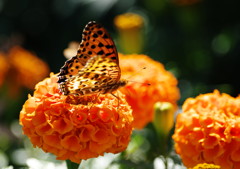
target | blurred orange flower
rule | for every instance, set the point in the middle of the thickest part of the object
(4, 66)
(28, 68)
(208, 131)
(20, 67)
(142, 97)
(73, 128)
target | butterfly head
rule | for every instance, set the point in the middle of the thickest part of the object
(122, 83)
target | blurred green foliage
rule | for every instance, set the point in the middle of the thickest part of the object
(198, 42)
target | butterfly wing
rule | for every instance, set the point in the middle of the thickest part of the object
(98, 73)
(95, 41)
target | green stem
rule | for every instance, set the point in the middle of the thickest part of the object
(165, 161)
(72, 165)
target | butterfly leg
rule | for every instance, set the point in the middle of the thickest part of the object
(116, 97)
(94, 101)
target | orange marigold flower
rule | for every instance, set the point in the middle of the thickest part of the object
(141, 96)
(72, 127)
(208, 131)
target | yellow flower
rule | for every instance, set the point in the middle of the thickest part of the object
(163, 123)
(164, 117)
(74, 127)
(142, 97)
(129, 26)
(208, 131)
(206, 166)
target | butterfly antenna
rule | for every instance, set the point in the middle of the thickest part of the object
(148, 84)
(117, 98)
(136, 72)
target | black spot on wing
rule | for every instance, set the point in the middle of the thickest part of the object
(100, 52)
(96, 76)
(100, 44)
(108, 54)
(99, 32)
(109, 46)
(95, 35)
(105, 36)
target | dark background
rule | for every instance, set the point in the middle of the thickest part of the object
(198, 41)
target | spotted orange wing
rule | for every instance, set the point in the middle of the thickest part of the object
(99, 75)
(96, 43)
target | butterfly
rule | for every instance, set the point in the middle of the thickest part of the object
(95, 68)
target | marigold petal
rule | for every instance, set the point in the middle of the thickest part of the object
(98, 148)
(36, 140)
(71, 143)
(62, 126)
(211, 154)
(30, 104)
(105, 115)
(86, 154)
(39, 118)
(87, 133)
(43, 129)
(100, 136)
(78, 118)
(52, 140)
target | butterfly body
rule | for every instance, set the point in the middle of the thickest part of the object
(102, 90)
(95, 68)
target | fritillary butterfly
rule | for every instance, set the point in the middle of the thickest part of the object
(95, 68)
